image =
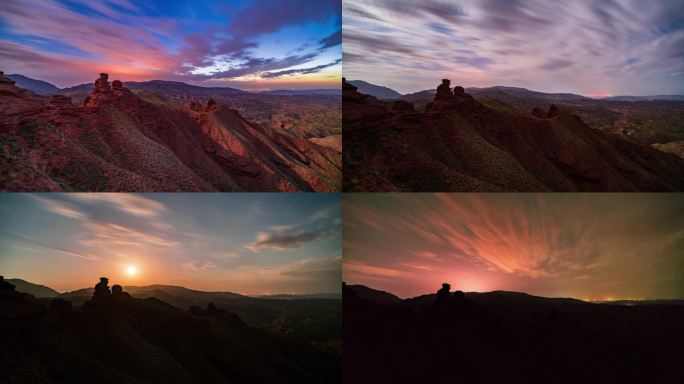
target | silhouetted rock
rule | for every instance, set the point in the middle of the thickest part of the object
(443, 299)
(7, 86)
(102, 84)
(459, 91)
(553, 111)
(444, 90)
(348, 87)
(102, 290)
(461, 302)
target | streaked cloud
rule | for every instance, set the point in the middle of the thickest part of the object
(614, 244)
(68, 42)
(612, 46)
(240, 242)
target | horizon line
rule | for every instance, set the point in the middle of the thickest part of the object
(587, 300)
(596, 97)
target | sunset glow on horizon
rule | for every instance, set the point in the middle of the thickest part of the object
(240, 242)
(586, 246)
(263, 44)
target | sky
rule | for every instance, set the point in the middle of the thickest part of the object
(589, 47)
(246, 243)
(587, 246)
(245, 44)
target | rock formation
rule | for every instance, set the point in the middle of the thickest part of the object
(102, 84)
(539, 113)
(102, 290)
(7, 86)
(443, 299)
(446, 99)
(118, 293)
(444, 90)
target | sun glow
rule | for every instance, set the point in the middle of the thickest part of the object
(131, 270)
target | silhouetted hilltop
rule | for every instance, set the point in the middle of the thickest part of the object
(365, 293)
(115, 338)
(36, 290)
(315, 320)
(510, 337)
(461, 144)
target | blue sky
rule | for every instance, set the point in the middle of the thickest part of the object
(262, 44)
(245, 243)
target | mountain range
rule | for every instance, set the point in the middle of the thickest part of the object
(510, 337)
(458, 142)
(114, 337)
(120, 140)
(652, 120)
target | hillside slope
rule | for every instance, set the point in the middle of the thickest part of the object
(117, 141)
(509, 337)
(460, 144)
(118, 339)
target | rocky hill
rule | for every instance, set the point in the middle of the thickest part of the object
(511, 337)
(115, 338)
(461, 144)
(117, 141)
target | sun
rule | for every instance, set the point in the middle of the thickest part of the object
(131, 270)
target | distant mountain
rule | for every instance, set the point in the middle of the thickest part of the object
(120, 141)
(363, 292)
(382, 93)
(511, 337)
(458, 142)
(38, 86)
(114, 338)
(292, 92)
(32, 289)
(645, 98)
(284, 296)
(161, 87)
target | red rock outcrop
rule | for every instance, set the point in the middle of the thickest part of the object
(460, 144)
(119, 142)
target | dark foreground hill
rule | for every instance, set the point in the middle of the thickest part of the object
(461, 144)
(508, 337)
(115, 338)
(118, 141)
(312, 320)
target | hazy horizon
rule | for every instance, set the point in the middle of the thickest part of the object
(178, 81)
(250, 45)
(247, 243)
(439, 81)
(592, 48)
(585, 246)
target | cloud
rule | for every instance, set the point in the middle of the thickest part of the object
(315, 69)
(546, 46)
(60, 42)
(60, 208)
(132, 204)
(331, 41)
(197, 265)
(284, 240)
(110, 234)
(534, 242)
